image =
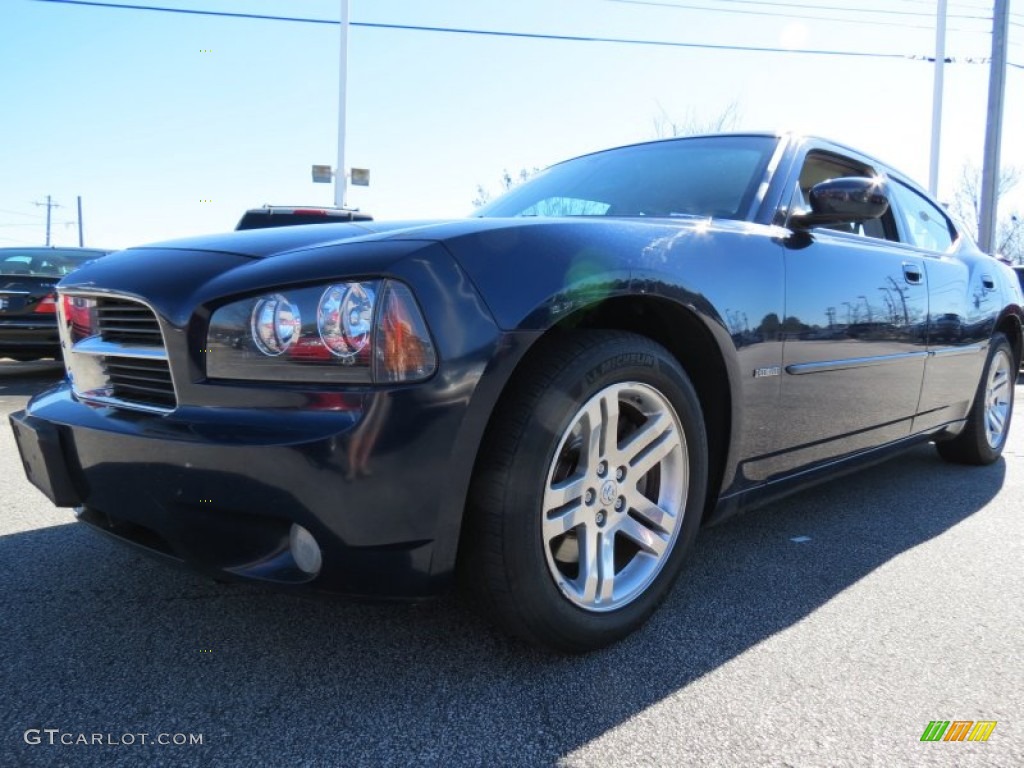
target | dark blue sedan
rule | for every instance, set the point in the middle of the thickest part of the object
(548, 399)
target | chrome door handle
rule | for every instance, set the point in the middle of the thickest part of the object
(912, 273)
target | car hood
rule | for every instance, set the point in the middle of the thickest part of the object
(279, 241)
(275, 241)
(506, 259)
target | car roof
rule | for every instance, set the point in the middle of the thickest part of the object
(791, 137)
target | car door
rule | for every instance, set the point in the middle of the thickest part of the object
(962, 309)
(854, 331)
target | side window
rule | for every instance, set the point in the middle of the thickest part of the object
(821, 166)
(923, 223)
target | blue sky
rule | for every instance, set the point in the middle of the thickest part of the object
(163, 139)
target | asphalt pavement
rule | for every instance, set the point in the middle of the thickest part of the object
(826, 630)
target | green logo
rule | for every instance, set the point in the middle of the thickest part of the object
(958, 730)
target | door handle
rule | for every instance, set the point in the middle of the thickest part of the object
(912, 273)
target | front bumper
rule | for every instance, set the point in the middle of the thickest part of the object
(377, 474)
(29, 337)
(379, 480)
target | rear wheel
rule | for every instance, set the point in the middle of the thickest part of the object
(589, 491)
(988, 424)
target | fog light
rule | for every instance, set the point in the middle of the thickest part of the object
(305, 551)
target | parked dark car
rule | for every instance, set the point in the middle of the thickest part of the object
(28, 298)
(290, 216)
(548, 399)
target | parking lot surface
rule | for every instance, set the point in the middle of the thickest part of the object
(829, 629)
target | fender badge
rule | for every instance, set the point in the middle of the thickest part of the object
(761, 373)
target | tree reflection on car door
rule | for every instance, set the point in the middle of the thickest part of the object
(854, 335)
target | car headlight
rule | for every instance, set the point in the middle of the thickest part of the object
(276, 325)
(367, 331)
(344, 318)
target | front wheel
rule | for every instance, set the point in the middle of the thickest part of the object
(988, 423)
(589, 491)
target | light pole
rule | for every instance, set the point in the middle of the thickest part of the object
(940, 62)
(868, 307)
(339, 173)
(993, 128)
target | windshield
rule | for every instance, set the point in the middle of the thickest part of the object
(44, 263)
(708, 176)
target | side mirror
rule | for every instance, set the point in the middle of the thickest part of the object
(846, 200)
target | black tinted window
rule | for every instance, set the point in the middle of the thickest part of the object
(923, 223)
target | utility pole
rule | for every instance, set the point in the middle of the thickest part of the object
(993, 127)
(940, 63)
(339, 173)
(49, 205)
(80, 243)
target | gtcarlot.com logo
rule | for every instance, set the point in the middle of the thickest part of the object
(59, 737)
(958, 730)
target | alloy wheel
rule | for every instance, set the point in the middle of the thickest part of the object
(614, 496)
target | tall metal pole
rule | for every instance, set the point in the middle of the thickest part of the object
(993, 128)
(80, 242)
(49, 206)
(940, 63)
(339, 173)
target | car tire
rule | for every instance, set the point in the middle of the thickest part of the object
(988, 423)
(556, 505)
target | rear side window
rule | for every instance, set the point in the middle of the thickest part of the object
(922, 223)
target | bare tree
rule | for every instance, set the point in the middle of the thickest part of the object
(484, 195)
(692, 123)
(966, 206)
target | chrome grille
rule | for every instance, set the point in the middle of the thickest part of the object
(125, 322)
(140, 380)
(122, 361)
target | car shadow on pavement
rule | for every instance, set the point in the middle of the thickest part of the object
(99, 639)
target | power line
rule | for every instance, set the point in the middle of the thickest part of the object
(494, 33)
(631, 2)
(817, 7)
(267, 17)
(789, 15)
(190, 11)
(19, 213)
(631, 41)
(987, 9)
(971, 6)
